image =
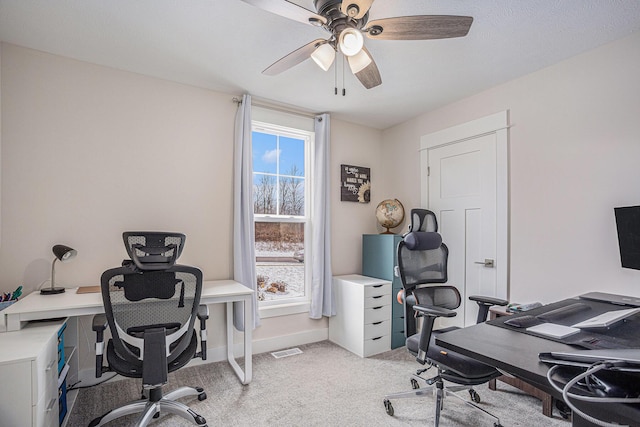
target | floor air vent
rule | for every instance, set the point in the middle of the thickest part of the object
(285, 353)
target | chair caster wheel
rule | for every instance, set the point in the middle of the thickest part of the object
(202, 396)
(388, 407)
(199, 419)
(474, 396)
(414, 384)
(565, 411)
(156, 415)
(497, 425)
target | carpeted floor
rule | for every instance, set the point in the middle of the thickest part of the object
(324, 386)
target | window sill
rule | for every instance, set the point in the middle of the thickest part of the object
(283, 309)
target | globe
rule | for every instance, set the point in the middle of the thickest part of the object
(389, 213)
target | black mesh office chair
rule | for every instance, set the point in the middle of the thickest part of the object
(422, 267)
(150, 306)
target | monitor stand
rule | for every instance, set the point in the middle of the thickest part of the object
(612, 298)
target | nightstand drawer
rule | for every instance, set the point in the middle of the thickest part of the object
(44, 369)
(45, 412)
(377, 345)
(377, 301)
(384, 288)
(378, 329)
(377, 314)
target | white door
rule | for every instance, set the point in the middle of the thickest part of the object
(465, 184)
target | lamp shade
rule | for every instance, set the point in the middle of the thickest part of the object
(64, 253)
(324, 56)
(359, 61)
(350, 41)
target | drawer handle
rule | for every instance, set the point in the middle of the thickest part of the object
(377, 308)
(377, 323)
(379, 296)
(50, 405)
(373, 339)
(377, 286)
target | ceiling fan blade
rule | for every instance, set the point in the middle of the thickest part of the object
(289, 10)
(369, 76)
(361, 7)
(421, 27)
(293, 59)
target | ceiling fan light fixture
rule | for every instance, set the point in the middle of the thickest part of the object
(324, 56)
(359, 61)
(351, 41)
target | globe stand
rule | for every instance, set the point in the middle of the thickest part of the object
(388, 231)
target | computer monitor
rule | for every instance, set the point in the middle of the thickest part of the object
(628, 225)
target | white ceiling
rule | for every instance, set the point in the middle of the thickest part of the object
(225, 44)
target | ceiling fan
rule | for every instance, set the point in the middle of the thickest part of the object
(348, 22)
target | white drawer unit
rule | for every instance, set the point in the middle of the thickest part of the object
(29, 375)
(362, 323)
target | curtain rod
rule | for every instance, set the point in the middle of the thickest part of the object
(275, 107)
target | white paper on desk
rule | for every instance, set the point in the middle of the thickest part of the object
(553, 330)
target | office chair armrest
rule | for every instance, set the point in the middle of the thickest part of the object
(427, 327)
(483, 305)
(434, 311)
(488, 300)
(203, 315)
(98, 326)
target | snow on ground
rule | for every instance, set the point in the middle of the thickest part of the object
(291, 273)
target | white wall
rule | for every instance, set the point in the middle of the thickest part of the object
(574, 155)
(89, 152)
(359, 146)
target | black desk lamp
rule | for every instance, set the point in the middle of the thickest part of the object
(62, 253)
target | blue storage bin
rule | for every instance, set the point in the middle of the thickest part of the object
(61, 348)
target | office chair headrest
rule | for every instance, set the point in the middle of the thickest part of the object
(152, 250)
(422, 240)
(423, 220)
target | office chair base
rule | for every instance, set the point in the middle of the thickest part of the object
(149, 410)
(436, 387)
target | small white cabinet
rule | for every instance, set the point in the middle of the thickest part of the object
(29, 375)
(362, 323)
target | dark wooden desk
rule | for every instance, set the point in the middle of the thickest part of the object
(545, 398)
(517, 354)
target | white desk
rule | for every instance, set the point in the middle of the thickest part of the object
(37, 307)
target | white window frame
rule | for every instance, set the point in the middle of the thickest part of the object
(295, 305)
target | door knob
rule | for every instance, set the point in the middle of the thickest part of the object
(487, 262)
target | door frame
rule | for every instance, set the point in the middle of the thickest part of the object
(497, 124)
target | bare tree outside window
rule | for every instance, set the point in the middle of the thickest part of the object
(292, 193)
(264, 195)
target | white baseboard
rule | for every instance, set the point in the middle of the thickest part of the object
(218, 354)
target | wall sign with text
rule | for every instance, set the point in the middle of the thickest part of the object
(355, 184)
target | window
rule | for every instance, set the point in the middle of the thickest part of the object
(281, 195)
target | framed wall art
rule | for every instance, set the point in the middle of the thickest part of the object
(355, 184)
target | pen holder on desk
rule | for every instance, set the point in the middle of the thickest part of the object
(6, 304)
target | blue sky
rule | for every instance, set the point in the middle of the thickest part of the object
(266, 152)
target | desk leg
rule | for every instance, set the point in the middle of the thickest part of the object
(248, 332)
(245, 376)
(13, 322)
(547, 399)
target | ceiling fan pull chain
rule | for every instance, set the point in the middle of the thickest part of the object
(344, 91)
(335, 78)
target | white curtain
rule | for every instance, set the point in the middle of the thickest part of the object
(244, 268)
(322, 298)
